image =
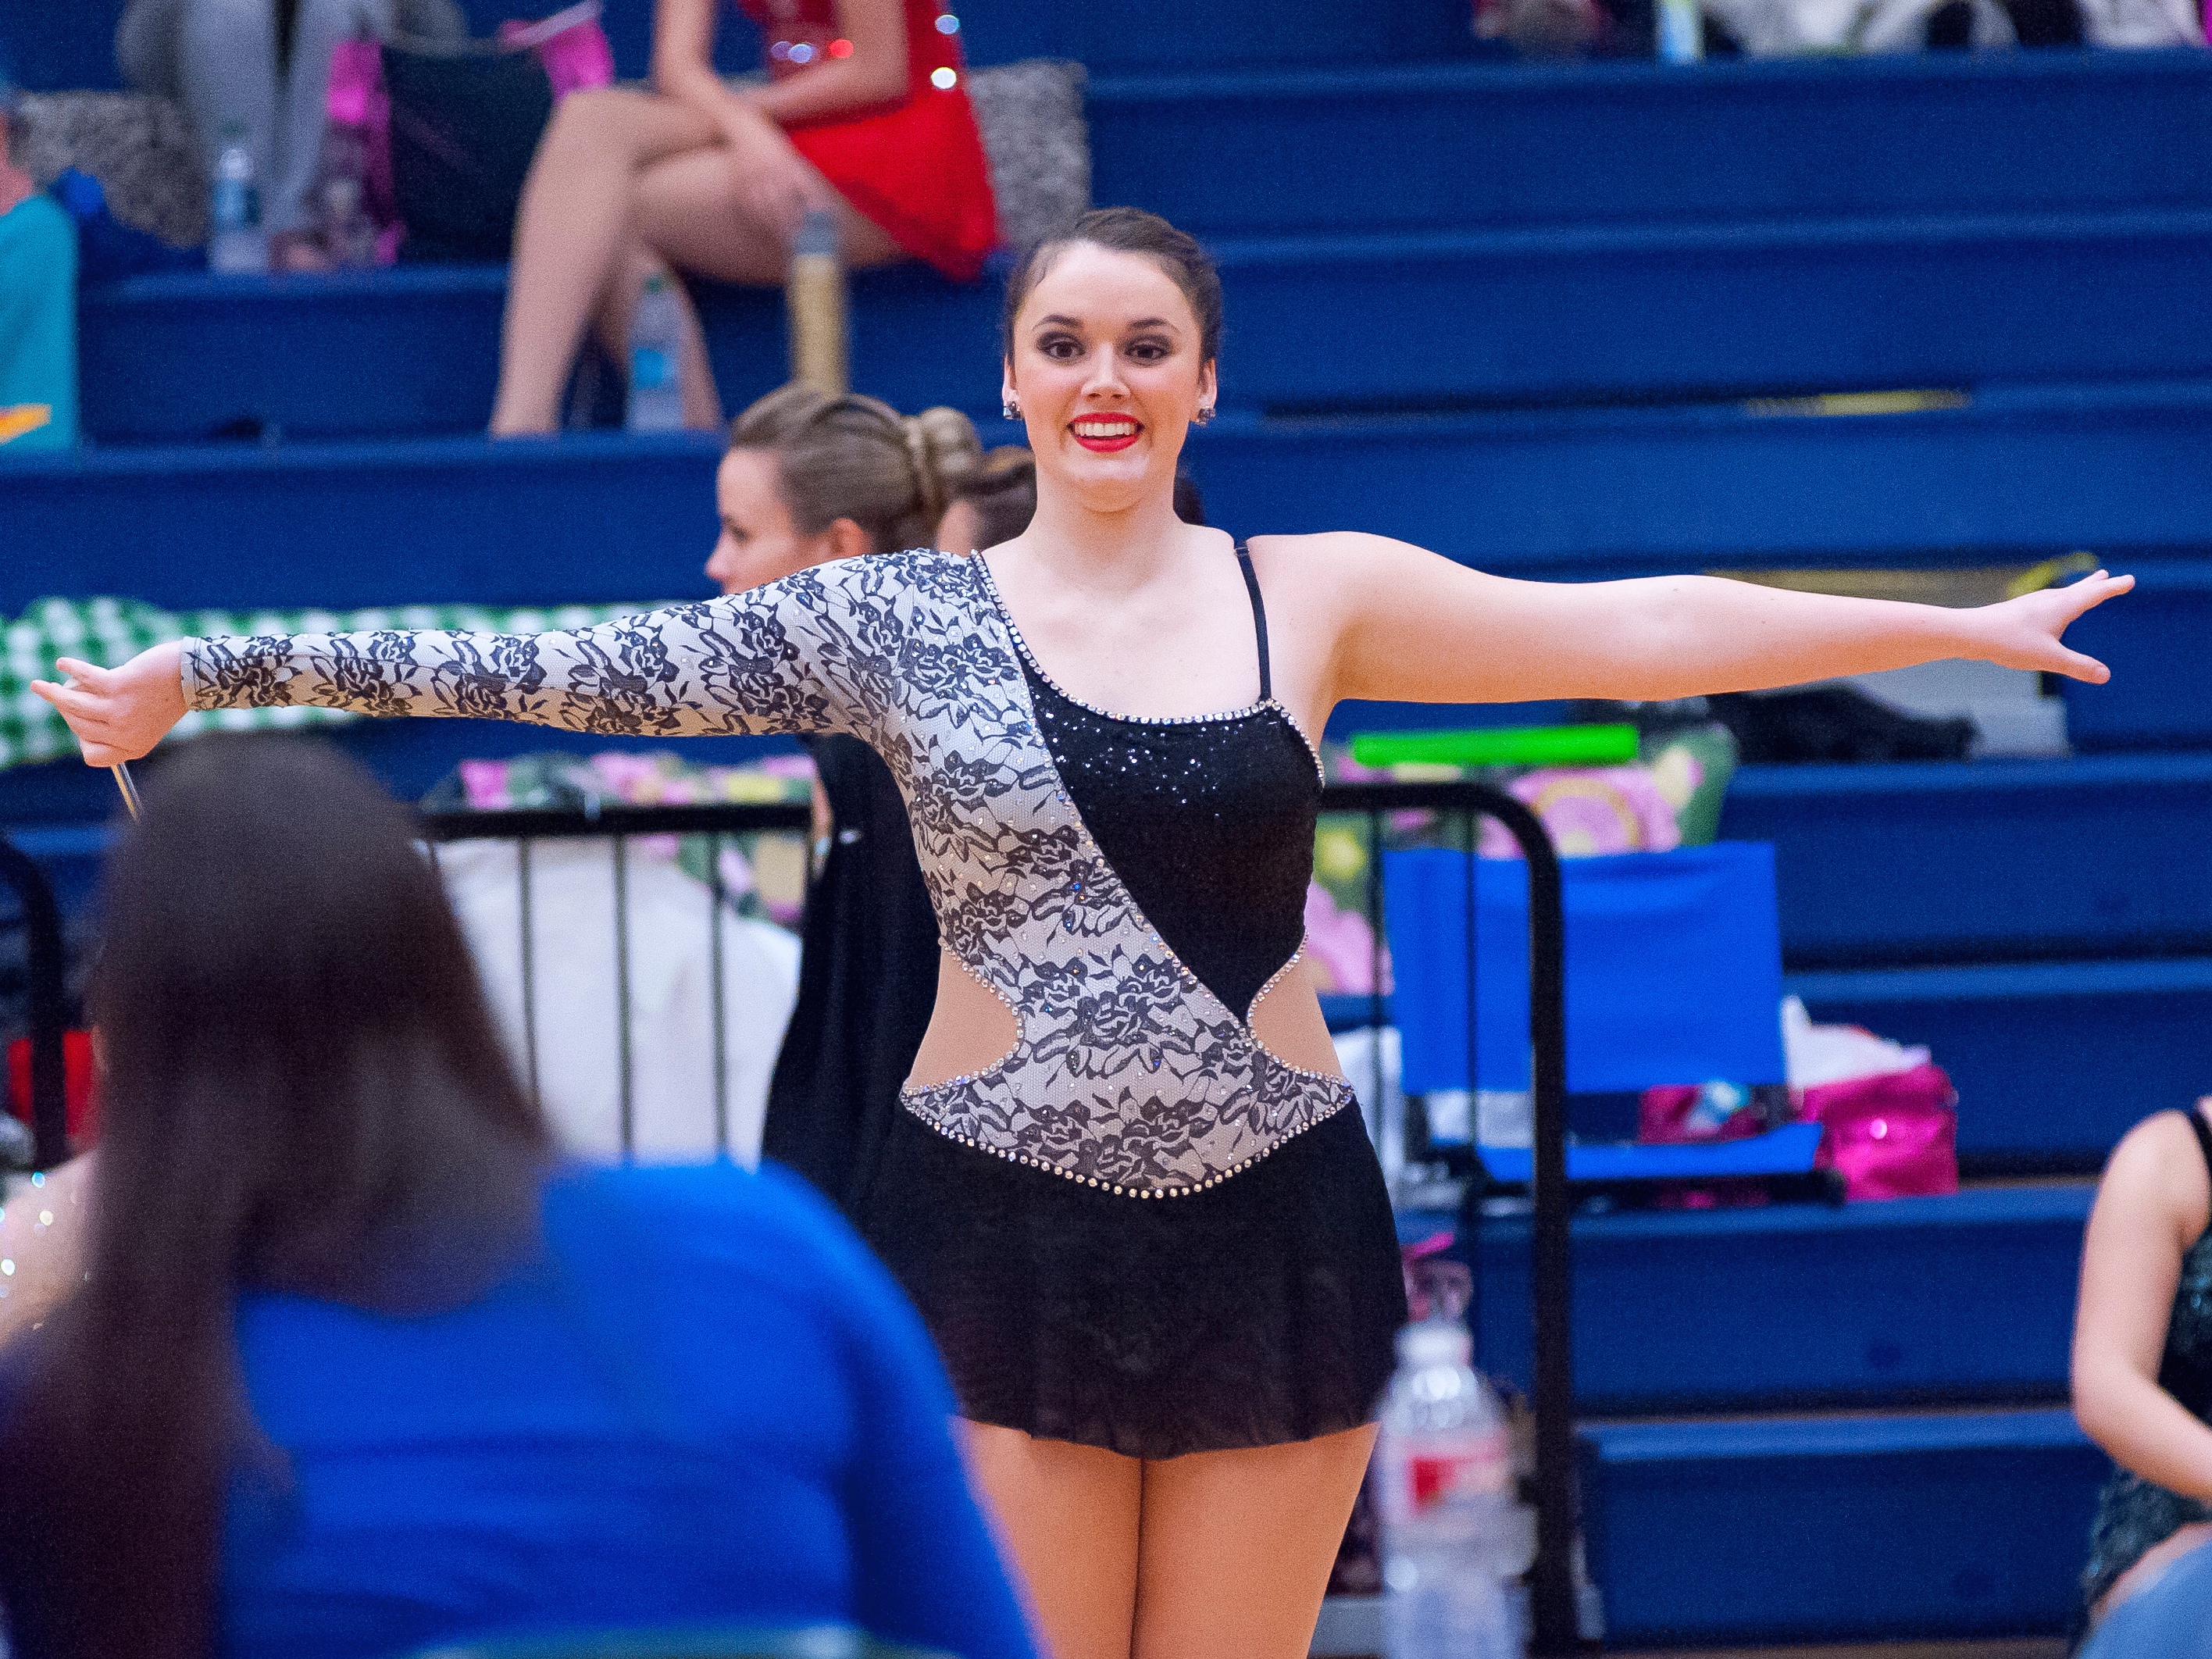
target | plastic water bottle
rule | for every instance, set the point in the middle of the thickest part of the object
(236, 241)
(1455, 1539)
(656, 340)
(1681, 32)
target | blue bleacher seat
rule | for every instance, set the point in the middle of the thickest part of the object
(1453, 320)
(1912, 1300)
(1989, 859)
(2166, 705)
(1415, 147)
(1832, 1529)
(1570, 495)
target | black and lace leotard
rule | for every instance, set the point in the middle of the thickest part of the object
(1127, 887)
(2134, 1514)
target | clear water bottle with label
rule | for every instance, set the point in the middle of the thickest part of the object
(656, 340)
(1455, 1538)
(237, 243)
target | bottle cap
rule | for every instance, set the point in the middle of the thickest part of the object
(1435, 1342)
(817, 235)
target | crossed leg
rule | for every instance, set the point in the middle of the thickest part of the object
(1190, 1557)
(624, 183)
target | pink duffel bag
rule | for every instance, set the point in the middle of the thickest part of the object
(1891, 1135)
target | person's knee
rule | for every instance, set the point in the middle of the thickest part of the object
(600, 120)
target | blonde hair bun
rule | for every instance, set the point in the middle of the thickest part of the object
(855, 457)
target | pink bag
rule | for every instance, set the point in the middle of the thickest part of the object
(1891, 1135)
(1895, 1135)
(571, 45)
(358, 103)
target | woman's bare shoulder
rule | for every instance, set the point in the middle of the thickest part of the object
(2159, 1162)
(1331, 558)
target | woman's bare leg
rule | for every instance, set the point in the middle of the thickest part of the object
(1236, 1546)
(1068, 1517)
(574, 223)
(691, 211)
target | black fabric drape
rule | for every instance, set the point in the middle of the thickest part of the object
(867, 982)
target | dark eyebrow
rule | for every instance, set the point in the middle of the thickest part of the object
(1056, 320)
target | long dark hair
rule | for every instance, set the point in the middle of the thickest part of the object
(303, 1091)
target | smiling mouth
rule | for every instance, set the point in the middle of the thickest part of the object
(1104, 432)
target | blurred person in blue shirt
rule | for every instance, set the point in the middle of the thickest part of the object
(37, 306)
(357, 1368)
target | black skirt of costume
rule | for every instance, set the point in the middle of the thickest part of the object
(867, 983)
(1258, 1312)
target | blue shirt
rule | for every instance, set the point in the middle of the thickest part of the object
(38, 323)
(705, 1403)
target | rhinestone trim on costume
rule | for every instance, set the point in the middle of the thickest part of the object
(1345, 1097)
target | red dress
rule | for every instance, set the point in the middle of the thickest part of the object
(916, 166)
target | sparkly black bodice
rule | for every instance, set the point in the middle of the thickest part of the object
(1209, 821)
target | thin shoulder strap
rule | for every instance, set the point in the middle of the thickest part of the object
(2203, 1137)
(1260, 622)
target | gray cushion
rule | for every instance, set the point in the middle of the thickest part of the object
(142, 149)
(1031, 116)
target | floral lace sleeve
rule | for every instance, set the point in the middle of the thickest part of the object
(809, 653)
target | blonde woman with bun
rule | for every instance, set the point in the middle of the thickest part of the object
(811, 477)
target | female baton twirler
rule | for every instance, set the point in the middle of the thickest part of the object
(1129, 1190)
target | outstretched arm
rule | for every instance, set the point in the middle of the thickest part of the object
(782, 658)
(1414, 627)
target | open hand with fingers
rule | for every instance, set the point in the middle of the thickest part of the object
(119, 714)
(2026, 632)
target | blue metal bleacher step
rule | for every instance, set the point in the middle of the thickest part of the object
(1936, 861)
(414, 351)
(1495, 145)
(1961, 1525)
(1964, 1297)
(1457, 318)
(1565, 494)
(2166, 648)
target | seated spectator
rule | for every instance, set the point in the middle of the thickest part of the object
(37, 307)
(996, 502)
(265, 66)
(356, 1371)
(2143, 1388)
(865, 115)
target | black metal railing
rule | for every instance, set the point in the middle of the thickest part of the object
(618, 825)
(1555, 1627)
